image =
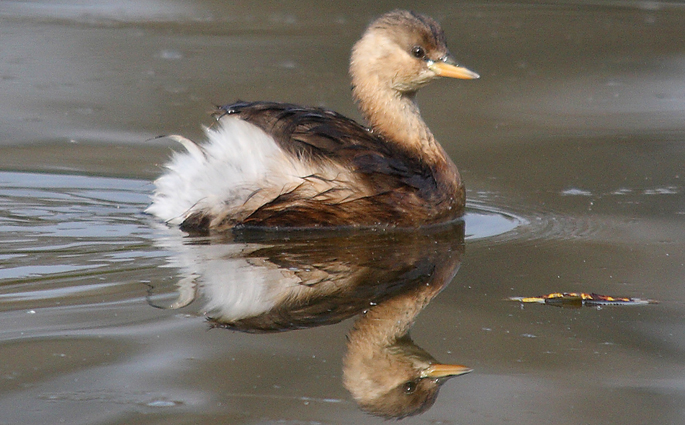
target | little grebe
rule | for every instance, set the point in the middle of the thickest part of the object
(282, 165)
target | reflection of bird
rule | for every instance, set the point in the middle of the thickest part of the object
(274, 164)
(261, 282)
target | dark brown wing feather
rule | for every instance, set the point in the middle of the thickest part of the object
(321, 133)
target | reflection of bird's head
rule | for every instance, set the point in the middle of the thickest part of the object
(397, 381)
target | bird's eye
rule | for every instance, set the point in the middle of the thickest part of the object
(409, 387)
(418, 52)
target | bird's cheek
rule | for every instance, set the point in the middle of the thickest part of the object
(424, 78)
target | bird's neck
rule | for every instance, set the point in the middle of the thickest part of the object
(395, 116)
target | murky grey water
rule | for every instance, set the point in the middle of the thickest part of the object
(572, 147)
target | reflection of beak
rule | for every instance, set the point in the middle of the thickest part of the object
(444, 370)
(451, 70)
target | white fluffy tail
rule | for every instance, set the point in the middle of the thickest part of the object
(218, 175)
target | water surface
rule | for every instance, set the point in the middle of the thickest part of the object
(572, 146)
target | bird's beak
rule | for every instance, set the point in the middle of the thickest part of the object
(444, 370)
(444, 68)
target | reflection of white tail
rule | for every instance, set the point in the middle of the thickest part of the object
(231, 286)
(187, 292)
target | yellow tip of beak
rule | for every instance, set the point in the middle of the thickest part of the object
(444, 69)
(444, 370)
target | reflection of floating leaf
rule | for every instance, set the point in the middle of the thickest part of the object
(579, 299)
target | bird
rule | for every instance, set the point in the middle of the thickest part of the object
(280, 165)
